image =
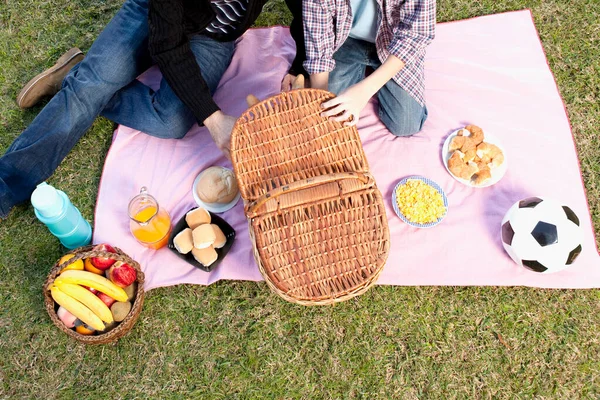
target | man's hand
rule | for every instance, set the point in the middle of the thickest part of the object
(291, 82)
(348, 105)
(286, 83)
(220, 126)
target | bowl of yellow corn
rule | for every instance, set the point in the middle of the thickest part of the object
(420, 202)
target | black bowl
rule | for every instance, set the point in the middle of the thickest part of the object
(222, 252)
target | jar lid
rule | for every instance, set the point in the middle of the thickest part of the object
(46, 200)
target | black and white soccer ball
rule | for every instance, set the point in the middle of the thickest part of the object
(541, 234)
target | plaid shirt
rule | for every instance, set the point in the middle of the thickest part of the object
(406, 27)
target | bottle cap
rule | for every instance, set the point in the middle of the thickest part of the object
(46, 200)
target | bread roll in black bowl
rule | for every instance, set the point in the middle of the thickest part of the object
(228, 231)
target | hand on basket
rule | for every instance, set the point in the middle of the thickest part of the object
(220, 126)
(348, 105)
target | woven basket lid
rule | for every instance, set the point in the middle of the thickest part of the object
(317, 219)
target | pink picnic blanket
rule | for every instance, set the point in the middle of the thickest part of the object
(490, 71)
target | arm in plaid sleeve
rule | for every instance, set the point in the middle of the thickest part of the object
(416, 29)
(319, 36)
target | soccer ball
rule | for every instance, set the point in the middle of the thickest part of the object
(541, 234)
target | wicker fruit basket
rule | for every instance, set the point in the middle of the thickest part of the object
(124, 326)
(316, 218)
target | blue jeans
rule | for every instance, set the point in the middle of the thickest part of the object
(398, 110)
(104, 84)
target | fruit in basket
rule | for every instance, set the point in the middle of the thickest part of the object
(103, 263)
(90, 289)
(88, 299)
(88, 266)
(74, 265)
(131, 291)
(76, 308)
(120, 310)
(122, 274)
(84, 330)
(106, 299)
(97, 282)
(66, 317)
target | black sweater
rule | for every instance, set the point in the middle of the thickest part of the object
(172, 21)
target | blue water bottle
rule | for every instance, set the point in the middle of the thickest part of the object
(62, 218)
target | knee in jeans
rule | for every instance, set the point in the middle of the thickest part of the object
(172, 128)
(403, 127)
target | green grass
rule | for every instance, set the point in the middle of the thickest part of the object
(236, 339)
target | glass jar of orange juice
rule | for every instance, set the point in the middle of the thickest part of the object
(148, 223)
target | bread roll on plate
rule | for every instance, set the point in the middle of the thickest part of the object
(184, 241)
(217, 185)
(205, 256)
(220, 238)
(203, 236)
(197, 217)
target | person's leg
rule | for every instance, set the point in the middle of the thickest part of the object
(160, 113)
(350, 63)
(399, 111)
(117, 56)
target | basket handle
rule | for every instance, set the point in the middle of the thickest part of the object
(252, 207)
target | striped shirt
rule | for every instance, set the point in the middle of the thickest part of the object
(228, 13)
(405, 29)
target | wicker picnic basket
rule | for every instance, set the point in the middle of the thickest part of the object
(316, 218)
(124, 326)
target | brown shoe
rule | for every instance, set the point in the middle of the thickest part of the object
(48, 83)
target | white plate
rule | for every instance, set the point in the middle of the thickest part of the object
(215, 208)
(497, 173)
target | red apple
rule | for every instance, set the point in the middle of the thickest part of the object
(122, 274)
(91, 289)
(103, 263)
(106, 299)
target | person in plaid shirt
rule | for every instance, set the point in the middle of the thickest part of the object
(344, 37)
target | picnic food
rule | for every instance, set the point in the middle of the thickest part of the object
(217, 185)
(149, 223)
(471, 158)
(86, 298)
(184, 241)
(120, 309)
(79, 302)
(106, 299)
(197, 217)
(66, 317)
(419, 202)
(130, 290)
(122, 274)
(88, 266)
(102, 263)
(204, 236)
(75, 265)
(84, 330)
(76, 308)
(97, 282)
(205, 256)
(220, 238)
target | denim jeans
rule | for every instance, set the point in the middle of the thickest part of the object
(398, 110)
(104, 84)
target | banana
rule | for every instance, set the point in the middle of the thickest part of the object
(94, 281)
(88, 299)
(76, 308)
